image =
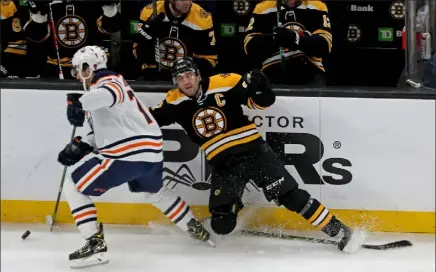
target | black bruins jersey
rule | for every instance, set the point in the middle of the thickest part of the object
(308, 18)
(13, 40)
(192, 35)
(215, 121)
(77, 24)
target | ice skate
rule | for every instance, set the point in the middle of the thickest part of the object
(350, 240)
(198, 232)
(92, 253)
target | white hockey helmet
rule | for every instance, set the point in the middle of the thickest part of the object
(91, 56)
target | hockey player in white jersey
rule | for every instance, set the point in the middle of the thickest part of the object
(129, 142)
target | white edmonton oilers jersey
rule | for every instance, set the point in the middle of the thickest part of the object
(123, 127)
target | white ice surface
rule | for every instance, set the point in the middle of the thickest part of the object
(165, 249)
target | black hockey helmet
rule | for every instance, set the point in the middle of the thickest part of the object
(183, 65)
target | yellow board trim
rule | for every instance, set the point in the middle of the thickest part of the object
(29, 211)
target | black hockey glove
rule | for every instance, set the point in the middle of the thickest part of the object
(38, 6)
(152, 27)
(257, 83)
(75, 113)
(74, 152)
(286, 38)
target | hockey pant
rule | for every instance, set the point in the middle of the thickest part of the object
(267, 171)
(96, 176)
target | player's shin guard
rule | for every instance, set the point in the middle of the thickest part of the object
(319, 216)
(82, 208)
(179, 212)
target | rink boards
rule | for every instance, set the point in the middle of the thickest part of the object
(371, 161)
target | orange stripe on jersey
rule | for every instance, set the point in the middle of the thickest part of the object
(118, 91)
(102, 79)
(131, 146)
(174, 214)
(84, 214)
(99, 169)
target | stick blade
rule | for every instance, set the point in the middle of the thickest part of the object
(391, 245)
(396, 244)
(49, 222)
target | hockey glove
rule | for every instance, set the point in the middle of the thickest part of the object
(152, 27)
(286, 38)
(38, 6)
(257, 83)
(74, 152)
(75, 113)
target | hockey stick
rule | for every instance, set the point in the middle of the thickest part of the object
(55, 41)
(51, 220)
(396, 244)
(281, 50)
(156, 46)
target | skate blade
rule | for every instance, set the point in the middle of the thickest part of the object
(94, 260)
(211, 243)
(356, 241)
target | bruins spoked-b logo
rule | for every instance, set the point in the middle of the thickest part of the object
(397, 10)
(297, 27)
(241, 7)
(354, 33)
(209, 122)
(72, 31)
(171, 49)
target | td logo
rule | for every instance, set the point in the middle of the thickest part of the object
(385, 34)
(228, 30)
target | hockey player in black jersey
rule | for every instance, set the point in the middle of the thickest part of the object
(183, 29)
(304, 36)
(210, 112)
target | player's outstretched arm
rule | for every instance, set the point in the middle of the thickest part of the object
(164, 113)
(102, 97)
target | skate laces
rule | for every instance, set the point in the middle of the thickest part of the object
(197, 230)
(85, 247)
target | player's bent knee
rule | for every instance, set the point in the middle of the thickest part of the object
(224, 217)
(294, 200)
(223, 223)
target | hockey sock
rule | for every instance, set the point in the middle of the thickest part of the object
(82, 208)
(174, 207)
(319, 216)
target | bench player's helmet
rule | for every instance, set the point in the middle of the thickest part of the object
(184, 65)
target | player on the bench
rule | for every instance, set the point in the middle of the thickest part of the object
(129, 141)
(210, 111)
